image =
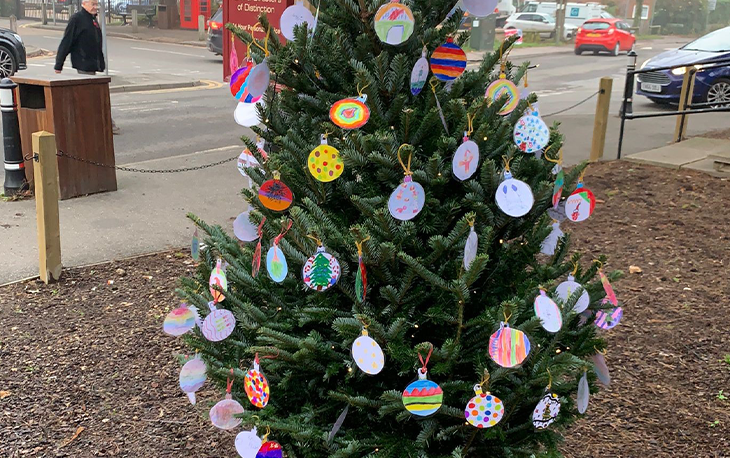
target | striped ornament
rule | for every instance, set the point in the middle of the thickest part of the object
(448, 61)
(508, 347)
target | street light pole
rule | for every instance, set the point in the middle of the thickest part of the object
(103, 37)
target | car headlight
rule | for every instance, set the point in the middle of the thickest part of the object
(17, 37)
(679, 71)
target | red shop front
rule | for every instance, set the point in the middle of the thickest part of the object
(190, 10)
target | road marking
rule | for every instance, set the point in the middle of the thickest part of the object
(36, 65)
(167, 52)
(51, 38)
(142, 110)
(647, 48)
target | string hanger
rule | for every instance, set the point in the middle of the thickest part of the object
(359, 245)
(559, 159)
(550, 379)
(283, 232)
(360, 91)
(603, 352)
(506, 315)
(599, 263)
(266, 436)
(582, 174)
(229, 383)
(471, 222)
(506, 160)
(406, 168)
(484, 384)
(319, 242)
(265, 48)
(428, 357)
(470, 123)
(575, 269)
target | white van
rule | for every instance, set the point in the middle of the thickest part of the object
(575, 13)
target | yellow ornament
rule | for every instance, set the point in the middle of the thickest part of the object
(325, 163)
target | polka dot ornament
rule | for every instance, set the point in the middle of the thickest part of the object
(325, 163)
(483, 410)
(257, 387)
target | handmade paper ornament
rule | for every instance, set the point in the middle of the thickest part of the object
(270, 449)
(570, 286)
(471, 247)
(361, 278)
(584, 393)
(514, 197)
(484, 410)
(233, 55)
(179, 321)
(423, 397)
(466, 158)
(508, 347)
(394, 23)
(223, 414)
(246, 114)
(448, 61)
(256, 260)
(408, 199)
(601, 369)
(293, 16)
(580, 204)
(275, 194)
(276, 263)
(238, 78)
(610, 295)
(558, 185)
(500, 88)
(548, 312)
(321, 270)
(546, 411)
(218, 325)
(557, 213)
(325, 163)
(367, 354)
(195, 246)
(248, 443)
(419, 74)
(244, 229)
(256, 385)
(480, 8)
(247, 160)
(531, 134)
(218, 279)
(192, 377)
(350, 113)
(608, 319)
(258, 80)
(550, 243)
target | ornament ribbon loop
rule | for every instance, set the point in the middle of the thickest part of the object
(359, 245)
(261, 227)
(282, 233)
(425, 363)
(229, 383)
(319, 242)
(406, 168)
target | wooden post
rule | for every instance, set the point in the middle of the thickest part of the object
(45, 170)
(688, 90)
(135, 28)
(600, 124)
(201, 27)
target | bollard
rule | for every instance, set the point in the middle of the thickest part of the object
(13, 23)
(15, 181)
(627, 104)
(685, 99)
(201, 27)
(135, 28)
(601, 121)
(45, 168)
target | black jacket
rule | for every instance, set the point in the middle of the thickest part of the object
(82, 40)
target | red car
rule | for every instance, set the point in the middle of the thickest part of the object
(609, 35)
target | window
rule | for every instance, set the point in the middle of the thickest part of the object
(644, 12)
(595, 26)
(524, 17)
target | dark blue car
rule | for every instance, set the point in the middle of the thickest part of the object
(711, 85)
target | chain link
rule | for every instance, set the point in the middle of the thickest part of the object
(574, 106)
(132, 169)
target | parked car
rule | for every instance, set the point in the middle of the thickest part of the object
(215, 33)
(575, 13)
(537, 22)
(711, 85)
(12, 53)
(607, 35)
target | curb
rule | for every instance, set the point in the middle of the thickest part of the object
(131, 36)
(153, 87)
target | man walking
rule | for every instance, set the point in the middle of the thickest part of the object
(82, 39)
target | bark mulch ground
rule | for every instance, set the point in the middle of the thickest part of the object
(86, 370)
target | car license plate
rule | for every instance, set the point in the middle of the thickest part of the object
(593, 35)
(651, 87)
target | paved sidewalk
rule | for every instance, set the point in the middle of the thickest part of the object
(179, 36)
(698, 153)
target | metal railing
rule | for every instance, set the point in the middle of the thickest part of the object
(686, 105)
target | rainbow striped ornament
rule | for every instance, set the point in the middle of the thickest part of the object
(270, 449)
(609, 319)
(448, 61)
(350, 113)
(508, 347)
(423, 397)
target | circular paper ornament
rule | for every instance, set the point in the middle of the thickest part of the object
(275, 195)
(609, 319)
(248, 443)
(238, 79)
(419, 74)
(407, 200)
(558, 212)
(548, 312)
(270, 449)
(296, 14)
(508, 347)
(258, 80)
(531, 134)
(501, 87)
(584, 393)
(179, 321)
(276, 264)
(448, 61)
(514, 197)
(480, 8)
(246, 115)
(394, 23)
(546, 411)
(466, 160)
(256, 386)
(350, 113)
(483, 410)
(247, 160)
(244, 229)
(218, 279)
(222, 415)
(423, 397)
(193, 375)
(567, 288)
(321, 271)
(218, 325)
(367, 354)
(601, 369)
(325, 163)
(580, 205)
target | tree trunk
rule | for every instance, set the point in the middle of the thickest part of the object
(637, 13)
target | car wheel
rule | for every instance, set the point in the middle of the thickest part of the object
(8, 65)
(595, 53)
(578, 51)
(719, 92)
(616, 49)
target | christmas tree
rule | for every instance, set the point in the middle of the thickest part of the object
(422, 306)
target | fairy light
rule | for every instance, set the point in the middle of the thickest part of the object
(415, 326)
(557, 351)
(296, 61)
(439, 173)
(501, 241)
(279, 309)
(349, 369)
(485, 138)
